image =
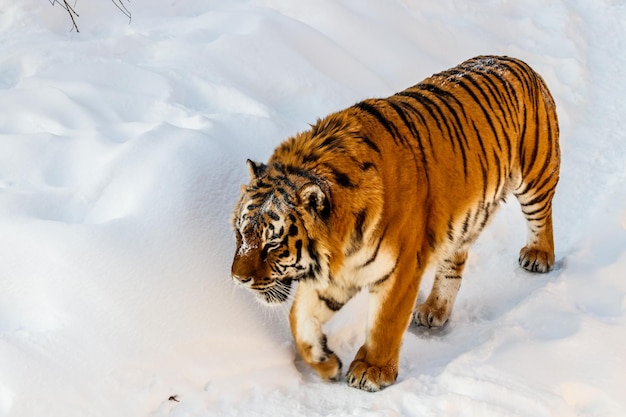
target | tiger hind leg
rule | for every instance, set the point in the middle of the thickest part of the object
(538, 254)
(438, 306)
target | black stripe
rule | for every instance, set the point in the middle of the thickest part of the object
(310, 157)
(273, 215)
(488, 77)
(426, 103)
(450, 230)
(543, 208)
(484, 161)
(454, 130)
(367, 165)
(342, 178)
(375, 254)
(497, 170)
(303, 173)
(538, 199)
(522, 139)
(548, 181)
(544, 168)
(387, 275)
(324, 344)
(287, 182)
(264, 252)
(521, 72)
(466, 223)
(539, 219)
(333, 305)
(535, 147)
(414, 132)
(425, 129)
(316, 267)
(331, 143)
(444, 96)
(488, 100)
(487, 214)
(479, 103)
(358, 226)
(284, 194)
(387, 124)
(504, 93)
(367, 141)
(431, 239)
(298, 246)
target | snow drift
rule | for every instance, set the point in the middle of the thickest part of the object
(122, 149)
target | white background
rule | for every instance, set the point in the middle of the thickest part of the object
(122, 149)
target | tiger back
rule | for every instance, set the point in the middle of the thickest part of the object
(371, 196)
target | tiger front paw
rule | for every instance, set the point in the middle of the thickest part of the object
(328, 368)
(429, 316)
(367, 377)
(536, 260)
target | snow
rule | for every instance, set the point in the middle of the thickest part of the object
(122, 149)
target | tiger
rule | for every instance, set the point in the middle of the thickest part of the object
(371, 196)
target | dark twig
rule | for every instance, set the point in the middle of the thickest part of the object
(123, 9)
(70, 11)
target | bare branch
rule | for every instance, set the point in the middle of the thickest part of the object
(122, 7)
(70, 10)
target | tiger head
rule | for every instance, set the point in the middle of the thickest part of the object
(270, 220)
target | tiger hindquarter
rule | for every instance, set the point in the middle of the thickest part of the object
(477, 133)
(510, 142)
(373, 195)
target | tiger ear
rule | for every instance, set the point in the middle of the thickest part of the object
(313, 199)
(255, 169)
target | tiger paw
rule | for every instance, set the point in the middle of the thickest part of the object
(431, 316)
(371, 378)
(329, 368)
(536, 260)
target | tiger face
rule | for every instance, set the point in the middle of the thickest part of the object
(273, 249)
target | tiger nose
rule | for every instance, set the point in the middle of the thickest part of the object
(242, 279)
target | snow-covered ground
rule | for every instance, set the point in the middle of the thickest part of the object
(122, 148)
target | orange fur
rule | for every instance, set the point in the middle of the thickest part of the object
(381, 190)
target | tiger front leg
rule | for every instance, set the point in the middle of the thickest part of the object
(376, 364)
(309, 312)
